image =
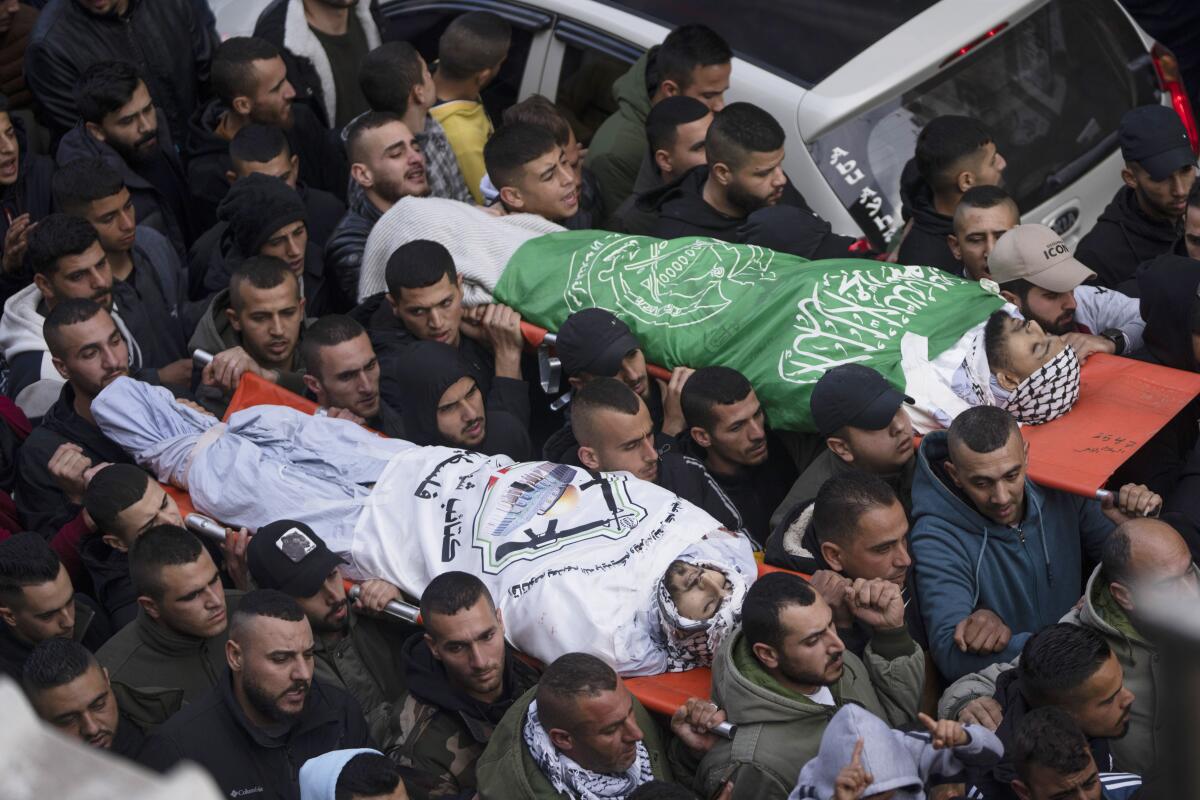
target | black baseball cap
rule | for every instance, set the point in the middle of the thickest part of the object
(287, 555)
(1154, 137)
(856, 396)
(594, 340)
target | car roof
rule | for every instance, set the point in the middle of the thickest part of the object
(905, 57)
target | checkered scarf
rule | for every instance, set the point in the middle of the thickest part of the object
(441, 167)
(1049, 392)
(573, 781)
(692, 643)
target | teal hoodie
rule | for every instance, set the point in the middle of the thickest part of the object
(617, 148)
(1029, 575)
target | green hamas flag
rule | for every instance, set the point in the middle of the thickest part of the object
(781, 320)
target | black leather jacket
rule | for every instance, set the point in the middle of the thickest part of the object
(345, 247)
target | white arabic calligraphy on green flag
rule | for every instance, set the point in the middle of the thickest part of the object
(780, 320)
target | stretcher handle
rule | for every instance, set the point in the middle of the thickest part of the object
(1105, 494)
(537, 336)
(395, 608)
(201, 358)
(209, 528)
(725, 730)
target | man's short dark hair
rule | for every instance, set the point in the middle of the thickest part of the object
(79, 183)
(511, 148)
(942, 145)
(1116, 556)
(843, 500)
(72, 311)
(664, 119)
(388, 74)
(417, 264)
(359, 126)
(600, 394)
(232, 73)
(161, 546)
(103, 88)
(258, 144)
(985, 196)
(661, 790)
(568, 678)
(1057, 660)
(765, 601)
(55, 662)
(539, 110)
(995, 336)
(261, 272)
(738, 130)
(57, 236)
(451, 592)
(328, 331)
(982, 429)
(367, 775)
(716, 386)
(688, 47)
(25, 560)
(1194, 195)
(269, 603)
(471, 43)
(112, 490)
(1051, 738)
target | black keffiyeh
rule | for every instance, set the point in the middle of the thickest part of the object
(1049, 392)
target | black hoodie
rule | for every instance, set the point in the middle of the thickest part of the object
(925, 243)
(109, 570)
(425, 371)
(1167, 287)
(30, 194)
(1123, 237)
(208, 161)
(790, 226)
(995, 782)
(426, 678)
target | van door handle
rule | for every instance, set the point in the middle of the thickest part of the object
(1063, 219)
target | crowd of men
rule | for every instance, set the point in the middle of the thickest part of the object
(965, 630)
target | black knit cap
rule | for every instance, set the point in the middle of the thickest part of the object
(256, 206)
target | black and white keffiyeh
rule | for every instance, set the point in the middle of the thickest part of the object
(692, 643)
(1049, 392)
(572, 780)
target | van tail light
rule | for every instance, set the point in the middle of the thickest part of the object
(971, 45)
(1171, 81)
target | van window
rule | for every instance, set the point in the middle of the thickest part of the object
(1051, 89)
(591, 62)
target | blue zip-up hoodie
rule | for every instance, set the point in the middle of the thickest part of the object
(1029, 575)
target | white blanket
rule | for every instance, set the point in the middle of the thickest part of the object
(481, 243)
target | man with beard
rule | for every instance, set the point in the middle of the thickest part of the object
(462, 676)
(249, 78)
(267, 715)
(342, 373)
(355, 651)
(323, 43)
(147, 273)
(615, 433)
(386, 164)
(69, 690)
(727, 431)
(781, 675)
(743, 195)
(168, 41)
(443, 405)
(177, 639)
(254, 326)
(1038, 275)
(1145, 218)
(1053, 762)
(1067, 667)
(119, 123)
(954, 154)
(69, 262)
(531, 173)
(982, 216)
(88, 352)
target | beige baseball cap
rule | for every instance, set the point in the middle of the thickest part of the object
(1037, 254)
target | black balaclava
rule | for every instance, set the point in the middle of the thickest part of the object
(425, 370)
